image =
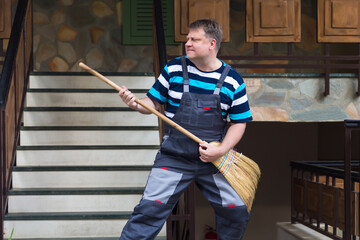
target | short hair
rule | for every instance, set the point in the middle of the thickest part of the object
(211, 28)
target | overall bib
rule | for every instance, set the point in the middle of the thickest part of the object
(177, 165)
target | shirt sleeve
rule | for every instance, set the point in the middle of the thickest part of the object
(240, 109)
(159, 91)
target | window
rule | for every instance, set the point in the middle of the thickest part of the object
(137, 21)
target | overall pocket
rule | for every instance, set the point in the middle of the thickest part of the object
(178, 144)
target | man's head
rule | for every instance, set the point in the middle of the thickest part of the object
(211, 28)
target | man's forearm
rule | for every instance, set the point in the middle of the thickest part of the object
(233, 136)
(209, 152)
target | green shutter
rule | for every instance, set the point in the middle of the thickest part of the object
(137, 21)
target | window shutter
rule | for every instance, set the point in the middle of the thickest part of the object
(137, 21)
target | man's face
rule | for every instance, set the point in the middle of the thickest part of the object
(198, 45)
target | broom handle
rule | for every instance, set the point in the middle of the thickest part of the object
(152, 110)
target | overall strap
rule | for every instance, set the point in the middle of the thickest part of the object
(221, 80)
(185, 74)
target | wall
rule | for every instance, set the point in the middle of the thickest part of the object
(300, 98)
(67, 31)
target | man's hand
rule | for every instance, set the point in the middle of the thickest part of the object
(128, 97)
(210, 152)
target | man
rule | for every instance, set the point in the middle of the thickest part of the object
(200, 92)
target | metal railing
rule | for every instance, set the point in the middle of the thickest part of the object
(325, 194)
(13, 84)
(326, 63)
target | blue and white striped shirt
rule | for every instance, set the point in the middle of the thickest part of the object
(168, 89)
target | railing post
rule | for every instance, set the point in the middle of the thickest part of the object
(347, 184)
(350, 125)
(2, 168)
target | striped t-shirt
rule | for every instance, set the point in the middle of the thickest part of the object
(168, 89)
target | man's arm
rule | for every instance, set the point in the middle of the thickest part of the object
(129, 99)
(209, 153)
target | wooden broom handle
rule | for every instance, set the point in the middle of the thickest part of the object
(152, 110)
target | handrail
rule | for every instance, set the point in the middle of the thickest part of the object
(160, 34)
(13, 84)
(11, 51)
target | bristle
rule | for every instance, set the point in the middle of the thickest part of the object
(242, 173)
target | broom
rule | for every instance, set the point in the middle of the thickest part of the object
(241, 172)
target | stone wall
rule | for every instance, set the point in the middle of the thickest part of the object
(68, 31)
(301, 98)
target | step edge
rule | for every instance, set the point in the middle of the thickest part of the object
(76, 191)
(114, 74)
(89, 128)
(88, 147)
(67, 216)
(81, 168)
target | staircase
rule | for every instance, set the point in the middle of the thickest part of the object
(83, 159)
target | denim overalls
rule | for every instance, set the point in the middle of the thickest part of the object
(177, 165)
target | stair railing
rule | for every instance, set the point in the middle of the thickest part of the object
(181, 223)
(13, 83)
(325, 194)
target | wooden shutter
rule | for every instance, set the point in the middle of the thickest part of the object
(137, 21)
(338, 20)
(273, 21)
(187, 11)
(5, 18)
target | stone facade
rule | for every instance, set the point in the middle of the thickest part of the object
(68, 31)
(301, 98)
(91, 31)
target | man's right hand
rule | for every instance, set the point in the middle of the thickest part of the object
(128, 97)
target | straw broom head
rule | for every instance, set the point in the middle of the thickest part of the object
(241, 172)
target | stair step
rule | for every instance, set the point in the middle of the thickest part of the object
(89, 136)
(75, 99)
(98, 238)
(68, 226)
(80, 177)
(66, 216)
(74, 191)
(73, 200)
(84, 80)
(87, 117)
(72, 203)
(86, 155)
(83, 160)
(80, 168)
(87, 238)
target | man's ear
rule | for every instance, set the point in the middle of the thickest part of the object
(213, 44)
